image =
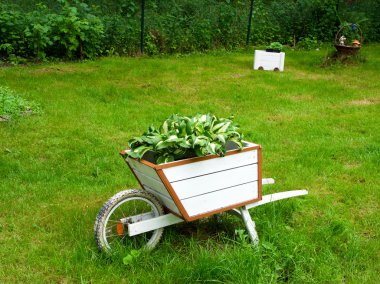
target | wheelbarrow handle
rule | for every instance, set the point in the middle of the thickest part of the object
(277, 196)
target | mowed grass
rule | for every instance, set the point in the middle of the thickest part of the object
(319, 129)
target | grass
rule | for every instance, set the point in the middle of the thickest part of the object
(319, 128)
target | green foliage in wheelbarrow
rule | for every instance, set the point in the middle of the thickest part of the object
(182, 137)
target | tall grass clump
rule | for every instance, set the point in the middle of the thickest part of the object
(13, 105)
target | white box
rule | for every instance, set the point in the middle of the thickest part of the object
(270, 61)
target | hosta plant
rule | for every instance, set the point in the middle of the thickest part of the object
(181, 137)
(275, 46)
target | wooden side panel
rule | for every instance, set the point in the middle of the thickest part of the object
(208, 166)
(142, 168)
(223, 198)
(147, 181)
(167, 201)
(150, 181)
(215, 181)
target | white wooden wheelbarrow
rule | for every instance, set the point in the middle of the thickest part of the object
(184, 190)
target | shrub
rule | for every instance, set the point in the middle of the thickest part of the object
(121, 35)
(12, 38)
(77, 31)
(72, 32)
(309, 43)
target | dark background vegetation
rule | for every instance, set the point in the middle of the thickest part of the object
(47, 29)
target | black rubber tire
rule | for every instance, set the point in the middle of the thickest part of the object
(147, 240)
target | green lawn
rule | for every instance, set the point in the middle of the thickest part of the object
(319, 129)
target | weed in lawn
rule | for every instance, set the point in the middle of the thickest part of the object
(13, 106)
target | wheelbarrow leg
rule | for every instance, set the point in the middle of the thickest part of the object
(250, 224)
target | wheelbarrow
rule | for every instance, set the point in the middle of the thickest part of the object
(184, 191)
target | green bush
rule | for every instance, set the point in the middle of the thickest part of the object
(12, 37)
(121, 35)
(309, 43)
(70, 32)
(77, 32)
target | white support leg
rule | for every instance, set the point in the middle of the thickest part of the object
(244, 213)
(250, 224)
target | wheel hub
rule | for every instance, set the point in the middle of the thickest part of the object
(120, 229)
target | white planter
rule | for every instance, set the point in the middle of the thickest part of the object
(201, 186)
(270, 61)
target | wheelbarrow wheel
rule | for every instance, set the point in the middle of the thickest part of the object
(126, 207)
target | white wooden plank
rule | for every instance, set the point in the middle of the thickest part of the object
(147, 181)
(209, 166)
(220, 199)
(153, 224)
(165, 200)
(148, 171)
(212, 182)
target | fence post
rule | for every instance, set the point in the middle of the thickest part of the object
(142, 26)
(249, 23)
